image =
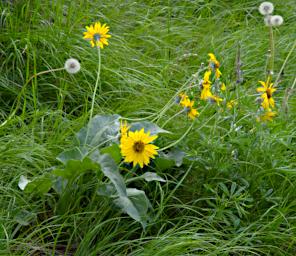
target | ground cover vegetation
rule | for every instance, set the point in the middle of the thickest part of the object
(147, 127)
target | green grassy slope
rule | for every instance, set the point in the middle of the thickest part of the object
(238, 196)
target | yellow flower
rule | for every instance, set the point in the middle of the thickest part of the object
(206, 86)
(214, 64)
(206, 92)
(184, 100)
(97, 34)
(267, 116)
(231, 104)
(124, 127)
(267, 91)
(223, 87)
(215, 99)
(206, 79)
(193, 113)
(136, 148)
(190, 110)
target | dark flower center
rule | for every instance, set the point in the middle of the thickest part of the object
(97, 37)
(139, 146)
(268, 93)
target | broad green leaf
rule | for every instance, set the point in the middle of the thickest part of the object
(148, 126)
(110, 169)
(100, 130)
(72, 154)
(107, 190)
(136, 205)
(74, 168)
(113, 151)
(39, 185)
(25, 217)
(176, 155)
(163, 163)
(151, 176)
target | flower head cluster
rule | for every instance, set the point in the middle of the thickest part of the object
(136, 146)
(187, 104)
(266, 9)
(97, 34)
(214, 64)
(206, 83)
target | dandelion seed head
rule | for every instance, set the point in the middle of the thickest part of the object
(276, 20)
(72, 66)
(267, 20)
(266, 8)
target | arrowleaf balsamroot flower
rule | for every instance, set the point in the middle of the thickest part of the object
(267, 91)
(136, 147)
(97, 34)
(190, 110)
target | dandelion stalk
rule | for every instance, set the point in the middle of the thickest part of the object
(96, 85)
(271, 53)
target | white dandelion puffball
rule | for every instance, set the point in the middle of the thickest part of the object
(276, 20)
(267, 20)
(72, 66)
(266, 8)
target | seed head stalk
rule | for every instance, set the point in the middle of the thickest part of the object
(271, 53)
(98, 84)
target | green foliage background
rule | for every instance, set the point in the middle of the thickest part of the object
(236, 197)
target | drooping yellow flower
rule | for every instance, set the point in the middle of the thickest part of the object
(231, 104)
(223, 87)
(97, 34)
(184, 99)
(215, 99)
(267, 116)
(193, 113)
(124, 127)
(190, 110)
(206, 92)
(214, 64)
(267, 91)
(206, 86)
(136, 148)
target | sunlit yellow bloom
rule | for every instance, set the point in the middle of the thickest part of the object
(223, 87)
(136, 148)
(97, 34)
(193, 113)
(124, 127)
(206, 86)
(267, 116)
(267, 91)
(206, 78)
(215, 65)
(231, 104)
(184, 100)
(206, 92)
(190, 110)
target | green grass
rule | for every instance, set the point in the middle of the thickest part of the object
(236, 197)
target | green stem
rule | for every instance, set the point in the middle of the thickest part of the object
(96, 85)
(271, 47)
